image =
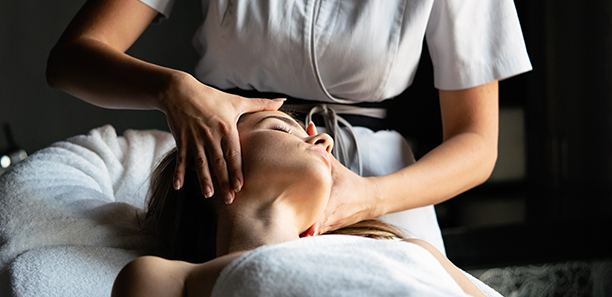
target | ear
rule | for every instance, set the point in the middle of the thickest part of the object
(312, 231)
(311, 130)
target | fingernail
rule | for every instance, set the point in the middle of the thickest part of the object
(279, 99)
(237, 186)
(177, 184)
(208, 192)
(229, 198)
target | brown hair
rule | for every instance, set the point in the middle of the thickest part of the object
(186, 223)
(183, 221)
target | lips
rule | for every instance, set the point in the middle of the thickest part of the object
(321, 151)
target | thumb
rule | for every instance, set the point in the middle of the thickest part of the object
(254, 105)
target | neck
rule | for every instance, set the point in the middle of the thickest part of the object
(250, 223)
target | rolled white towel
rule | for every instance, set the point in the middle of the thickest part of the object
(87, 190)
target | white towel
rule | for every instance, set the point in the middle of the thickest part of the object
(339, 265)
(87, 190)
(84, 271)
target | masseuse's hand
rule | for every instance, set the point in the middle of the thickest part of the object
(352, 199)
(203, 121)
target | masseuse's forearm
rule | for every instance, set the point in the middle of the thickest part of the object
(457, 165)
(464, 160)
(104, 76)
(89, 60)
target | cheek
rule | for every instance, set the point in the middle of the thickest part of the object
(263, 156)
(313, 187)
(274, 160)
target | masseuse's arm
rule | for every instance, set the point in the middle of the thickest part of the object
(89, 62)
(464, 160)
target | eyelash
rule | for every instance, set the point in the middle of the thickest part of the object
(282, 129)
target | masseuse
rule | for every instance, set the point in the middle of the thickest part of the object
(336, 52)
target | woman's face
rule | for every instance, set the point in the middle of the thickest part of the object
(278, 155)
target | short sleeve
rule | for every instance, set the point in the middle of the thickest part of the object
(164, 7)
(473, 42)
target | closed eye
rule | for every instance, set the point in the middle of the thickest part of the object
(280, 123)
(282, 129)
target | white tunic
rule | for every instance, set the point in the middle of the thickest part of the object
(359, 50)
(356, 51)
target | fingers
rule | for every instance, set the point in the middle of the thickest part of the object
(233, 156)
(226, 160)
(225, 165)
(226, 156)
(213, 145)
(253, 105)
(201, 165)
(181, 164)
(324, 224)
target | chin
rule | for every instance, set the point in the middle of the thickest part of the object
(319, 170)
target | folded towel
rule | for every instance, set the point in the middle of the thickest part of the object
(339, 265)
(88, 190)
(68, 271)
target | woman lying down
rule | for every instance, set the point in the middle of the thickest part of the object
(253, 247)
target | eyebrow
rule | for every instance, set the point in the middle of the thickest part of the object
(289, 121)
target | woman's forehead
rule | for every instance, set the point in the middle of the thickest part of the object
(255, 118)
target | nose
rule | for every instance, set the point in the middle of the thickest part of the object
(322, 139)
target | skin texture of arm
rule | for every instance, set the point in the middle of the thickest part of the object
(89, 62)
(97, 39)
(464, 160)
(151, 276)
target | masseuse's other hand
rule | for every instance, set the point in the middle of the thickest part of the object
(351, 200)
(203, 121)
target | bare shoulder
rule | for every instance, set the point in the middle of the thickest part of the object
(466, 285)
(430, 248)
(424, 244)
(151, 276)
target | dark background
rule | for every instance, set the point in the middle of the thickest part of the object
(549, 198)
